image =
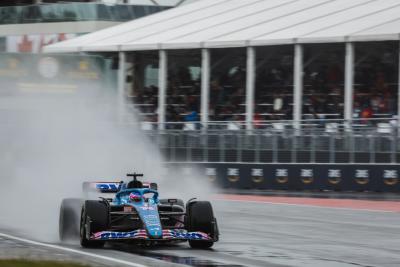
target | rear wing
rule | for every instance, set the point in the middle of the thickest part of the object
(102, 187)
(110, 187)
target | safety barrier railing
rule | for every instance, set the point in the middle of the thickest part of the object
(366, 142)
(383, 125)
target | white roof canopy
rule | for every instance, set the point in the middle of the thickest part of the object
(239, 23)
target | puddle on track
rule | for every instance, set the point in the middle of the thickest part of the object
(191, 261)
(186, 260)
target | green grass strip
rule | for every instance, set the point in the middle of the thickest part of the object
(34, 263)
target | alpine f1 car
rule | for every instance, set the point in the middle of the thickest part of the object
(135, 213)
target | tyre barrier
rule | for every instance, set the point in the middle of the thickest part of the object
(317, 177)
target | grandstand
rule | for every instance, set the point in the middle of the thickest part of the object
(319, 77)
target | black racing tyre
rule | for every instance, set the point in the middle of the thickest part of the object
(200, 218)
(96, 213)
(179, 202)
(68, 227)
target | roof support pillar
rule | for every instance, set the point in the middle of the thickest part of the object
(121, 84)
(250, 86)
(162, 87)
(398, 96)
(205, 86)
(298, 86)
(349, 84)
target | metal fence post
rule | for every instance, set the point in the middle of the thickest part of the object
(274, 148)
(331, 147)
(371, 141)
(239, 150)
(188, 148)
(351, 147)
(294, 148)
(393, 148)
(205, 147)
(257, 148)
(221, 147)
(172, 146)
(312, 152)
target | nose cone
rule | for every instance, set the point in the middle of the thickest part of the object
(151, 220)
(154, 232)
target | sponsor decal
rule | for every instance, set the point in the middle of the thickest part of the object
(282, 176)
(107, 235)
(176, 234)
(334, 176)
(147, 208)
(108, 187)
(151, 220)
(390, 177)
(233, 175)
(307, 176)
(34, 43)
(257, 175)
(128, 209)
(142, 234)
(362, 177)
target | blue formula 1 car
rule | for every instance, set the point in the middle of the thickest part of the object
(135, 213)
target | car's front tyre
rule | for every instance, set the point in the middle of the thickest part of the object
(200, 218)
(94, 216)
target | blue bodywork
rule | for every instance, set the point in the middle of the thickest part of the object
(146, 208)
(145, 204)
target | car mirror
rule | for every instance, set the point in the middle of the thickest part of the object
(154, 186)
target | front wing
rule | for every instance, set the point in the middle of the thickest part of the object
(141, 234)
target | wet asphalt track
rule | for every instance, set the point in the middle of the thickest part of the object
(259, 234)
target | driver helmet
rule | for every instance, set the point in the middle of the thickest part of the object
(135, 197)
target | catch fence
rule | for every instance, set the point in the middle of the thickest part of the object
(313, 143)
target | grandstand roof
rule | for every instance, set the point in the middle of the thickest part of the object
(239, 23)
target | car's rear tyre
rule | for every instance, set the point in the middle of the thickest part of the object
(69, 219)
(95, 214)
(200, 218)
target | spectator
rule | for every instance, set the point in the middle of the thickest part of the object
(366, 114)
(192, 116)
(257, 120)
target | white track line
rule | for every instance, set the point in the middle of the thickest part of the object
(72, 250)
(304, 205)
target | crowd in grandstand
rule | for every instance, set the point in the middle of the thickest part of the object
(376, 98)
(375, 93)
(323, 93)
(227, 96)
